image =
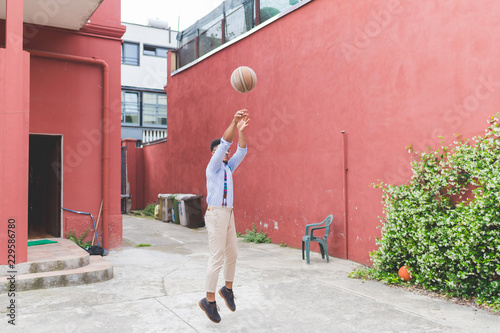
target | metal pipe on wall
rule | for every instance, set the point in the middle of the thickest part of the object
(105, 128)
(344, 176)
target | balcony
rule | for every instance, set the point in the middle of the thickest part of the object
(227, 24)
(70, 14)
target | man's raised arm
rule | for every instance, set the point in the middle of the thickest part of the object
(231, 130)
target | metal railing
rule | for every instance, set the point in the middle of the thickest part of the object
(153, 135)
(231, 25)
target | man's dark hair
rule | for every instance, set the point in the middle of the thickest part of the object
(214, 143)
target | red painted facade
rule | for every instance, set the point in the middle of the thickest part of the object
(388, 73)
(14, 101)
(72, 84)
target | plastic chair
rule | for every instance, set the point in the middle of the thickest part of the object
(309, 237)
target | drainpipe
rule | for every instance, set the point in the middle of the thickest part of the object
(344, 166)
(105, 128)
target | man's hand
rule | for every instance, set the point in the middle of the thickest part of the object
(240, 115)
(243, 123)
(230, 132)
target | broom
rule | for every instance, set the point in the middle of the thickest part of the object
(98, 218)
(97, 249)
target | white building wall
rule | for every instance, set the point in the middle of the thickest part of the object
(152, 71)
(150, 75)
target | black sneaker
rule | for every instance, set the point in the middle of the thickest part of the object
(228, 297)
(210, 310)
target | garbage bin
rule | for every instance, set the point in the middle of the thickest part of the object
(192, 211)
(165, 213)
(170, 211)
(182, 210)
(175, 198)
(158, 208)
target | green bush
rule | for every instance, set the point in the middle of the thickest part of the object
(78, 240)
(256, 237)
(149, 210)
(444, 223)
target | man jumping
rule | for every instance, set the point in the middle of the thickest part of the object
(219, 218)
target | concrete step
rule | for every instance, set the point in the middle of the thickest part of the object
(98, 270)
(59, 256)
(54, 265)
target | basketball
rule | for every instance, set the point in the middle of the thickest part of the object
(404, 274)
(243, 79)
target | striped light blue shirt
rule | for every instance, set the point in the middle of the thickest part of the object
(215, 174)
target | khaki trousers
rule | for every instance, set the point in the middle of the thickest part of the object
(222, 245)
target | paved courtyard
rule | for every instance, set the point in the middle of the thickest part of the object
(156, 289)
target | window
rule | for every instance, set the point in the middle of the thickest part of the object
(130, 107)
(154, 107)
(156, 51)
(149, 50)
(130, 53)
(144, 108)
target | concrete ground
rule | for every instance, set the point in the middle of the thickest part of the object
(156, 289)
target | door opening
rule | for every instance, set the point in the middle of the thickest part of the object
(44, 205)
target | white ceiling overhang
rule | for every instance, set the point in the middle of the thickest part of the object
(66, 14)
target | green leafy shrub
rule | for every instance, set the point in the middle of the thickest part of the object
(149, 210)
(78, 240)
(370, 273)
(256, 237)
(445, 222)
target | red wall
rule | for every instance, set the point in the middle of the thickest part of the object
(66, 98)
(389, 73)
(14, 139)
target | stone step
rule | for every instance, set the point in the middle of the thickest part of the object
(54, 265)
(98, 270)
(63, 255)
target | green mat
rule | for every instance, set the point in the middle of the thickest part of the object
(40, 242)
